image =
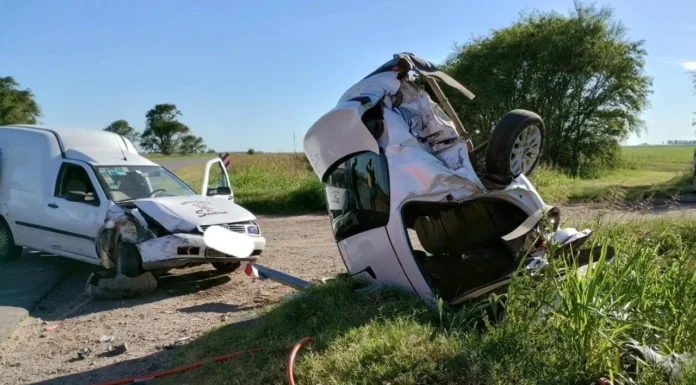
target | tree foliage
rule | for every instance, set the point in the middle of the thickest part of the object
(17, 106)
(191, 144)
(121, 127)
(578, 72)
(163, 131)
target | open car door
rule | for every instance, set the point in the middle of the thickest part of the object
(216, 181)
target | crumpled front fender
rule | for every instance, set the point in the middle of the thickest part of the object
(120, 225)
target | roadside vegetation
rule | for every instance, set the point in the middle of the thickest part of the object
(268, 183)
(285, 183)
(642, 172)
(646, 293)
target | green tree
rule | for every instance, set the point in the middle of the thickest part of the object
(578, 72)
(17, 106)
(163, 131)
(121, 127)
(191, 144)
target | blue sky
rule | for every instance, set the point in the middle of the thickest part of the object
(249, 74)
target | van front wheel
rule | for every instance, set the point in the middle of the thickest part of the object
(128, 259)
(8, 250)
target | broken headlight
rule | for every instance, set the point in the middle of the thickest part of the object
(253, 228)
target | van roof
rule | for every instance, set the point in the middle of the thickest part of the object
(91, 146)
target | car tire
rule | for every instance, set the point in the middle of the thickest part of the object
(226, 267)
(8, 250)
(515, 145)
(129, 262)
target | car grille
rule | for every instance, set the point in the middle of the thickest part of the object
(239, 227)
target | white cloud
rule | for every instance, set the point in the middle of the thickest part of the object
(689, 65)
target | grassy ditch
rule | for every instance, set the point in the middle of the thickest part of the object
(648, 293)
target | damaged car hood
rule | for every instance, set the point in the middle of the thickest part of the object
(185, 213)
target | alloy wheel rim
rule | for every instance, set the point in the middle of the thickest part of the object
(525, 150)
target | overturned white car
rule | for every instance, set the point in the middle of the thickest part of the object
(88, 195)
(408, 205)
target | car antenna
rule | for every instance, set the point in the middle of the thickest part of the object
(120, 147)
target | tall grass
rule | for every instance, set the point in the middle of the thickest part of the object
(269, 183)
(552, 330)
(285, 183)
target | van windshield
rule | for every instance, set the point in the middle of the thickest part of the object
(124, 183)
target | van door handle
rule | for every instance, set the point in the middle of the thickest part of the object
(53, 205)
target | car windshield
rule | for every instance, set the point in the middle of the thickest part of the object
(124, 183)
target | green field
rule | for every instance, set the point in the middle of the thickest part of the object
(284, 183)
(646, 171)
(268, 183)
(388, 337)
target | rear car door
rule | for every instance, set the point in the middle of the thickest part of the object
(216, 181)
(76, 212)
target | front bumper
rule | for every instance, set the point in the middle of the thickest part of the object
(182, 249)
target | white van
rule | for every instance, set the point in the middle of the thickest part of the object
(88, 195)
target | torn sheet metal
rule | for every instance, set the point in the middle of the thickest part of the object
(121, 224)
(426, 156)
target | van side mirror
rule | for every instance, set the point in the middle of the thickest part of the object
(77, 196)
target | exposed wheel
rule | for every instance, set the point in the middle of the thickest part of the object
(128, 259)
(8, 250)
(226, 267)
(515, 144)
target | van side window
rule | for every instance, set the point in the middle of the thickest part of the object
(74, 179)
(217, 181)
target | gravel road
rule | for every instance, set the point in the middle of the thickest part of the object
(186, 304)
(175, 164)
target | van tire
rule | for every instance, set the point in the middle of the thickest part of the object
(129, 262)
(8, 250)
(226, 267)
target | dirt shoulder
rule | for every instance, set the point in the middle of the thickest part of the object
(187, 303)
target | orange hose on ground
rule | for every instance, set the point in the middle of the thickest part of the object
(163, 373)
(291, 358)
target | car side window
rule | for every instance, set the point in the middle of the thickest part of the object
(357, 194)
(217, 180)
(74, 184)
